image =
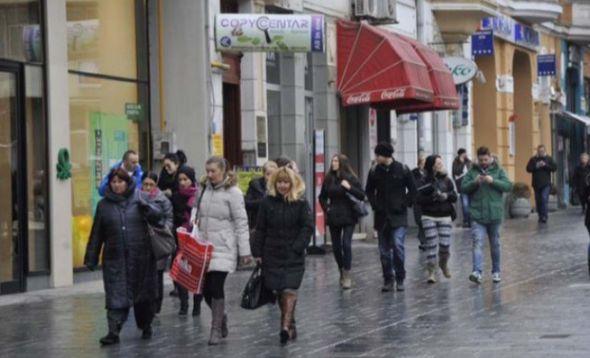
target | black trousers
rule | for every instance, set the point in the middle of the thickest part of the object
(143, 311)
(342, 245)
(160, 298)
(214, 286)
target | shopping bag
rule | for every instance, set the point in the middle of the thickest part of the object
(255, 294)
(192, 260)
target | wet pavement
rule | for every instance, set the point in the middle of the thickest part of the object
(541, 309)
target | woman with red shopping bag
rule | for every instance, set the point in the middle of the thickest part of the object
(283, 230)
(222, 221)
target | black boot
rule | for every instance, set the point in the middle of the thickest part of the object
(113, 336)
(197, 305)
(147, 333)
(183, 295)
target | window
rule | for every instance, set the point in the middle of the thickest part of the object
(20, 31)
(273, 67)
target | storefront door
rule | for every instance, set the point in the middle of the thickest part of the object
(12, 179)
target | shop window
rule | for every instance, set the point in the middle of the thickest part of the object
(38, 250)
(107, 37)
(20, 31)
(273, 68)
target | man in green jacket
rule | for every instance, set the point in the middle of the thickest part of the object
(485, 183)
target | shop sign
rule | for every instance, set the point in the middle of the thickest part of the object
(512, 31)
(462, 69)
(546, 65)
(133, 111)
(482, 43)
(269, 32)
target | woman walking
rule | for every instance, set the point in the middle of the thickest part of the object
(153, 194)
(283, 230)
(257, 191)
(222, 220)
(436, 195)
(129, 267)
(183, 200)
(168, 181)
(340, 183)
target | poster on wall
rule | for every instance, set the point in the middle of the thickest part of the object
(319, 174)
(269, 32)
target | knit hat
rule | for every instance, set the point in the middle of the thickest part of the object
(384, 149)
(189, 172)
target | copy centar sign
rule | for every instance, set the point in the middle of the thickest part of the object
(269, 33)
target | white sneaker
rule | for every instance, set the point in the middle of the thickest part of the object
(496, 277)
(475, 277)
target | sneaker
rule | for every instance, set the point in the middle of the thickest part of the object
(400, 286)
(475, 277)
(387, 286)
(496, 277)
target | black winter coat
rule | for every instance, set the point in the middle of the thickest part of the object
(391, 190)
(541, 174)
(129, 267)
(283, 231)
(459, 171)
(580, 178)
(429, 197)
(256, 192)
(336, 204)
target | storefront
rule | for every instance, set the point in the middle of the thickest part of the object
(23, 147)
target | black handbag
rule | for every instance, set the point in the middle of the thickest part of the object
(255, 293)
(359, 207)
(162, 240)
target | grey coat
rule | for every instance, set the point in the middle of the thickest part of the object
(129, 267)
(166, 218)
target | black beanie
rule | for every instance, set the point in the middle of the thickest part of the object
(384, 149)
(189, 172)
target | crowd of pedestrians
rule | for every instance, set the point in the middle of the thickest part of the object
(271, 225)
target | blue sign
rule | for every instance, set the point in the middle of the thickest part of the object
(512, 31)
(546, 65)
(482, 43)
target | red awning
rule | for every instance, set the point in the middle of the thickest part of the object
(391, 70)
(445, 92)
(377, 67)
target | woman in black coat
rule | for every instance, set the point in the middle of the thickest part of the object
(283, 230)
(129, 267)
(168, 180)
(436, 196)
(334, 198)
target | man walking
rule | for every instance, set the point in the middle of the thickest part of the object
(541, 166)
(391, 190)
(130, 163)
(485, 183)
(580, 180)
(461, 166)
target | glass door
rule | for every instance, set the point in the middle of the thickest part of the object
(12, 193)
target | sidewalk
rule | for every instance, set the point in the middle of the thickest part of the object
(540, 309)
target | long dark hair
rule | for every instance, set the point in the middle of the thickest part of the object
(344, 169)
(429, 165)
(178, 158)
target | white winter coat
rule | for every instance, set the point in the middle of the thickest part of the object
(223, 222)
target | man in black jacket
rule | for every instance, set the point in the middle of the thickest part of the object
(391, 190)
(461, 166)
(541, 166)
(580, 179)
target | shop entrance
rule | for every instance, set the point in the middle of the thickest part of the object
(13, 224)
(232, 113)
(523, 109)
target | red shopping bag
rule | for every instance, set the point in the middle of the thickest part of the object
(191, 262)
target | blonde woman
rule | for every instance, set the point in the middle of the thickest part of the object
(283, 230)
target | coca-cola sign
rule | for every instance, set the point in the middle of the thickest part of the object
(359, 98)
(462, 69)
(397, 93)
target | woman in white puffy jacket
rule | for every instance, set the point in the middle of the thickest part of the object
(222, 219)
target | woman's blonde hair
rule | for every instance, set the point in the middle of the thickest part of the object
(287, 174)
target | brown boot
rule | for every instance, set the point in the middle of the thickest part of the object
(346, 282)
(288, 300)
(217, 313)
(443, 262)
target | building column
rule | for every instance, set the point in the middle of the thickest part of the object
(58, 118)
(443, 130)
(185, 66)
(406, 147)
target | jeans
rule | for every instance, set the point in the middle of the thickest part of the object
(392, 253)
(541, 200)
(342, 245)
(478, 234)
(465, 201)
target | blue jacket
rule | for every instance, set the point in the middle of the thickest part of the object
(137, 174)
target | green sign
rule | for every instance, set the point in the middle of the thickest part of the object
(269, 32)
(133, 111)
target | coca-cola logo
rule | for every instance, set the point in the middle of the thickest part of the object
(359, 98)
(395, 94)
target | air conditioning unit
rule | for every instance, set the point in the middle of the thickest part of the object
(377, 11)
